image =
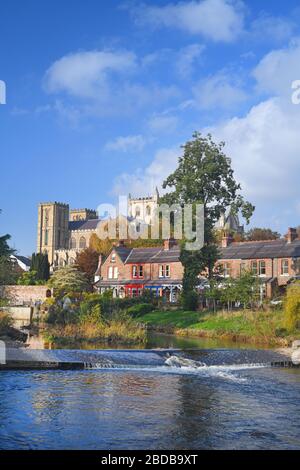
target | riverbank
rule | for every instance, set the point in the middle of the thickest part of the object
(266, 328)
(125, 332)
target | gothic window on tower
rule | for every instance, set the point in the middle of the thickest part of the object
(137, 211)
(82, 243)
(46, 237)
(46, 217)
(73, 243)
(148, 210)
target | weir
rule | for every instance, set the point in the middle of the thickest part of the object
(154, 359)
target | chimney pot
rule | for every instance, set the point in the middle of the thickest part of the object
(226, 240)
(291, 235)
(169, 243)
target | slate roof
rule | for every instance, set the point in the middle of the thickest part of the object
(123, 252)
(153, 255)
(23, 259)
(264, 249)
(84, 224)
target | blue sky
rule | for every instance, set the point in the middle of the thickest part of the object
(100, 96)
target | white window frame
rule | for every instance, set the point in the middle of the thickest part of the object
(259, 268)
(161, 271)
(284, 272)
(110, 272)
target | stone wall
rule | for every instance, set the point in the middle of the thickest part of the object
(25, 295)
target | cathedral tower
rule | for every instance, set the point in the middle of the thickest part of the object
(53, 221)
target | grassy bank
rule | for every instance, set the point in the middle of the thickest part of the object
(244, 326)
(125, 332)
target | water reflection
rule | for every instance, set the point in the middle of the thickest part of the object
(133, 409)
(160, 340)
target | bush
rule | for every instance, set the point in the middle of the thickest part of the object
(140, 309)
(92, 315)
(292, 306)
(190, 300)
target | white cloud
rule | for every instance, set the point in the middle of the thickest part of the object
(162, 123)
(270, 28)
(218, 91)
(96, 82)
(264, 146)
(187, 57)
(144, 181)
(126, 144)
(84, 74)
(278, 69)
(218, 20)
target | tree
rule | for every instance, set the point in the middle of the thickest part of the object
(69, 279)
(87, 262)
(29, 278)
(257, 234)
(8, 272)
(204, 176)
(292, 306)
(41, 266)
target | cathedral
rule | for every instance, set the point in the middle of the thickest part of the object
(63, 232)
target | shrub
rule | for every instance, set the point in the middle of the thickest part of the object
(140, 309)
(92, 315)
(292, 306)
(190, 300)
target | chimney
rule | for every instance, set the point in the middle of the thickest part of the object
(121, 243)
(291, 235)
(169, 243)
(226, 240)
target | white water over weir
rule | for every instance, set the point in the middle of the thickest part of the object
(213, 362)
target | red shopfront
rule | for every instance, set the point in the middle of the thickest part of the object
(134, 290)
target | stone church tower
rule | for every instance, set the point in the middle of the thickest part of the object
(143, 208)
(53, 220)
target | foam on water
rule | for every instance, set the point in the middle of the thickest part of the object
(181, 365)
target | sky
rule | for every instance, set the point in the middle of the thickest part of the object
(101, 95)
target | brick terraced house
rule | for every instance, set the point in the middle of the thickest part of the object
(128, 271)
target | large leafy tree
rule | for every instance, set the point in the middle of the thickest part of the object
(204, 176)
(69, 279)
(87, 262)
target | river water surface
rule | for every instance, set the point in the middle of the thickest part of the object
(233, 400)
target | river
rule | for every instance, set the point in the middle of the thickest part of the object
(233, 400)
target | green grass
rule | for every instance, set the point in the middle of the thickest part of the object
(259, 327)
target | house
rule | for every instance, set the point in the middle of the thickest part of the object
(129, 271)
(21, 261)
(275, 262)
